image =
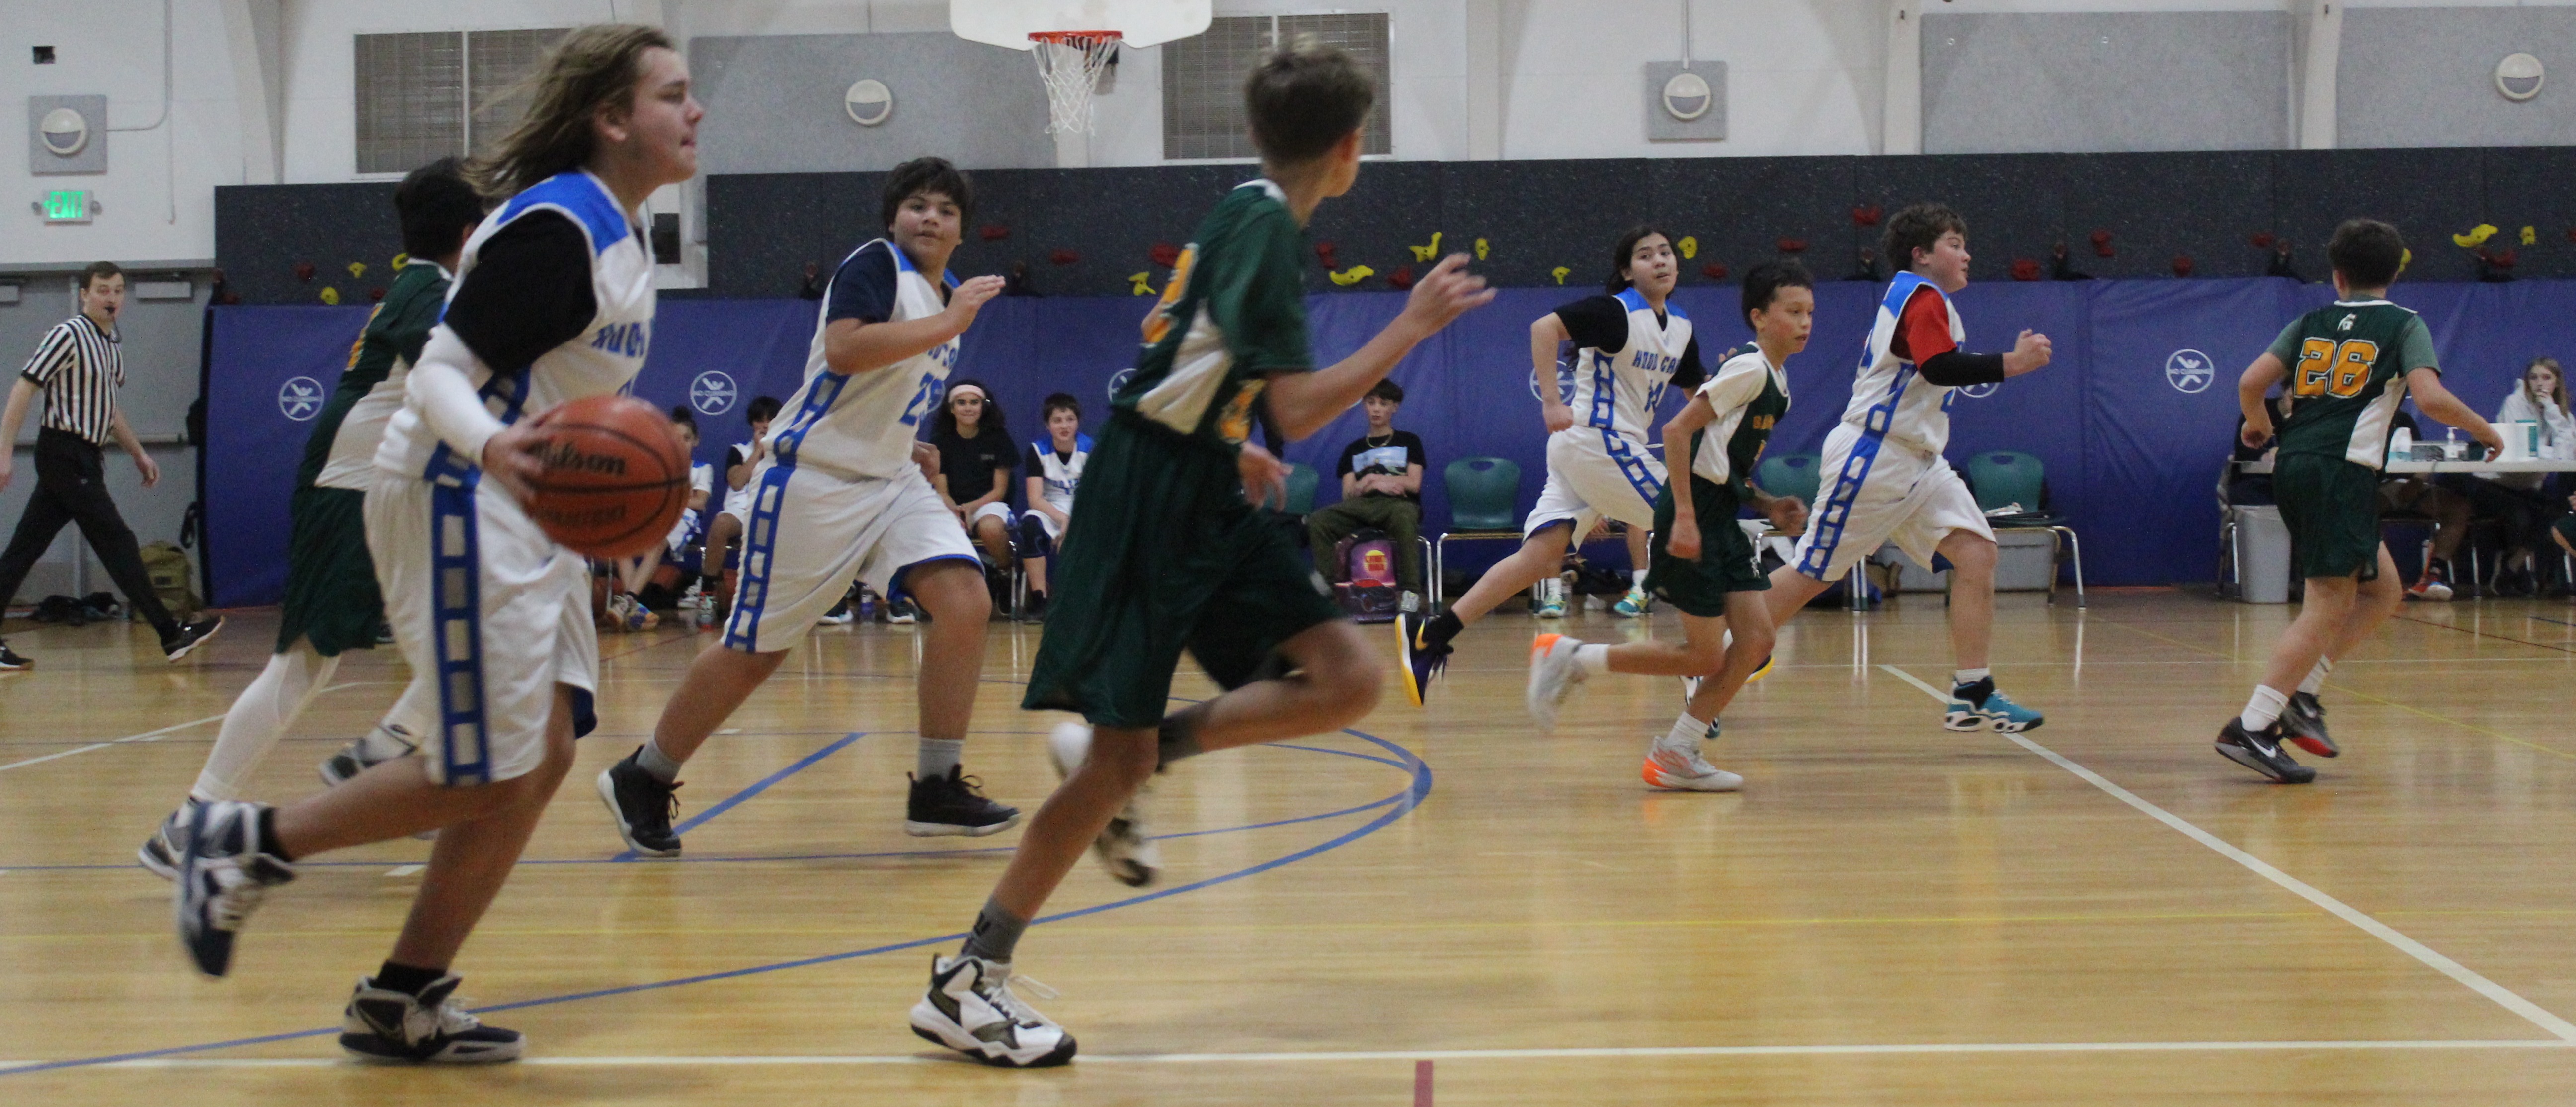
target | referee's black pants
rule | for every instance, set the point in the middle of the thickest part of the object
(71, 487)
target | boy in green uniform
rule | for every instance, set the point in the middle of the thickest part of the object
(1166, 552)
(331, 601)
(1702, 562)
(2348, 364)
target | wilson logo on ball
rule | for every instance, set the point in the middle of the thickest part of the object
(613, 479)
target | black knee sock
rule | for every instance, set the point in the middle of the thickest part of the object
(1442, 628)
(407, 979)
(1178, 737)
(268, 835)
(996, 935)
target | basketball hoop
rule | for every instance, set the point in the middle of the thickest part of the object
(1070, 63)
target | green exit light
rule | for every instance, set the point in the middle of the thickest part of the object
(70, 205)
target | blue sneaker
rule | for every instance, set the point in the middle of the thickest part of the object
(1979, 707)
(1636, 603)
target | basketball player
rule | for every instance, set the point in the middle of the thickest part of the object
(1628, 345)
(1167, 552)
(1887, 479)
(840, 496)
(331, 601)
(553, 302)
(2349, 365)
(1702, 562)
(1054, 467)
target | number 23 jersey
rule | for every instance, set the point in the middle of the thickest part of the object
(863, 424)
(2348, 363)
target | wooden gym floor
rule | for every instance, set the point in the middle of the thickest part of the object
(1437, 906)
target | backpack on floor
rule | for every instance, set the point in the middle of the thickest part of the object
(1367, 590)
(173, 579)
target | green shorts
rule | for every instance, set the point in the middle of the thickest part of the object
(1164, 556)
(2332, 509)
(331, 596)
(1726, 560)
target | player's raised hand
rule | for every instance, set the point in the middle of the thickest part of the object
(969, 297)
(1788, 513)
(1445, 293)
(2029, 353)
(1265, 477)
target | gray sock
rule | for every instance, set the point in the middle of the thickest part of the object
(657, 763)
(996, 935)
(1179, 736)
(936, 757)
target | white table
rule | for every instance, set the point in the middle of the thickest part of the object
(2265, 466)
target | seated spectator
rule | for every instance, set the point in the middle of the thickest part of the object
(654, 579)
(975, 462)
(720, 560)
(2244, 489)
(2446, 507)
(2519, 502)
(1054, 468)
(1381, 487)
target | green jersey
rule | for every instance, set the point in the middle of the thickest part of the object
(2348, 363)
(1749, 395)
(395, 332)
(1234, 312)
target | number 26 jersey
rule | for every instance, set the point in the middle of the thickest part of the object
(2348, 363)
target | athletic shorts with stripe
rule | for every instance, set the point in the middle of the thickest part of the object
(811, 531)
(1878, 491)
(489, 612)
(1592, 473)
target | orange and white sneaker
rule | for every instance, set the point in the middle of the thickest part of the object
(2434, 586)
(1672, 769)
(1553, 676)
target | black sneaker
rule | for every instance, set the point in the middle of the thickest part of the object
(224, 870)
(1419, 660)
(1034, 611)
(189, 637)
(382, 1024)
(160, 853)
(2262, 753)
(955, 805)
(10, 661)
(902, 612)
(643, 807)
(344, 766)
(2303, 722)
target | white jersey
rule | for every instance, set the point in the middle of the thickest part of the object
(362, 429)
(1058, 475)
(603, 359)
(863, 424)
(1890, 401)
(1617, 390)
(1731, 392)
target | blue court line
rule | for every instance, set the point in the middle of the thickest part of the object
(1403, 803)
(2546, 619)
(762, 785)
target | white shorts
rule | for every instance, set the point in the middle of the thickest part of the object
(737, 502)
(1593, 473)
(1881, 492)
(994, 510)
(491, 646)
(811, 532)
(1047, 523)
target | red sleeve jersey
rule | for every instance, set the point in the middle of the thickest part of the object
(1923, 331)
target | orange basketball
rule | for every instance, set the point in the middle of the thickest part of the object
(615, 477)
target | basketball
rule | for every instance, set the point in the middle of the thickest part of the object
(615, 477)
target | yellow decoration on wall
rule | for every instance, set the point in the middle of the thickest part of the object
(357, 269)
(1426, 253)
(401, 260)
(2530, 237)
(1480, 249)
(1139, 279)
(1559, 273)
(1354, 274)
(2477, 236)
(331, 296)
(1689, 246)
(2404, 259)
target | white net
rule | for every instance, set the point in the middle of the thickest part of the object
(1070, 62)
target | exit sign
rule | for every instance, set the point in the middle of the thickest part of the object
(67, 205)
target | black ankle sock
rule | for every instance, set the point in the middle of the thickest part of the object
(1178, 737)
(268, 843)
(1442, 628)
(407, 979)
(1975, 693)
(996, 935)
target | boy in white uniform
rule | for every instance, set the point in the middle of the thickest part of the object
(553, 301)
(1054, 468)
(841, 495)
(721, 561)
(1885, 479)
(1629, 346)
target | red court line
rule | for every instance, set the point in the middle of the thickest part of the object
(1422, 1084)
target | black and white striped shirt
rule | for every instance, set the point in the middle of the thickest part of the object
(79, 366)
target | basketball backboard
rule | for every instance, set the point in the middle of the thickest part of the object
(1139, 23)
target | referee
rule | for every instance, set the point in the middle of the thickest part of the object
(78, 367)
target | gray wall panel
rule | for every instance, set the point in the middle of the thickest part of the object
(2426, 77)
(2105, 82)
(774, 103)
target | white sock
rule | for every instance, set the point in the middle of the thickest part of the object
(1637, 578)
(936, 756)
(1686, 733)
(660, 766)
(259, 717)
(412, 718)
(2264, 709)
(1594, 657)
(2317, 676)
(1964, 677)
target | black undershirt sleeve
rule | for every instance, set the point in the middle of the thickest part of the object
(529, 292)
(1596, 323)
(1954, 369)
(1690, 374)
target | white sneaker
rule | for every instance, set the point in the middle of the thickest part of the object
(969, 1008)
(1551, 599)
(1684, 770)
(1553, 676)
(1130, 855)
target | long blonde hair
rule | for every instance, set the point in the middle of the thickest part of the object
(2558, 394)
(591, 68)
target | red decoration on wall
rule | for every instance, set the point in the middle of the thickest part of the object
(1713, 271)
(994, 232)
(2501, 259)
(1401, 279)
(1866, 216)
(1064, 257)
(2025, 269)
(2262, 240)
(1793, 245)
(304, 271)
(2102, 244)
(1326, 251)
(2182, 265)
(1165, 255)
(2571, 234)
(375, 295)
